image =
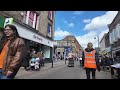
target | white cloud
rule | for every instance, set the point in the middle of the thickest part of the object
(60, 34)
(86, 20)
(71, 24)
(97, 26)
(101, 21)
(77, 12)
(102, 33)
(89, 37)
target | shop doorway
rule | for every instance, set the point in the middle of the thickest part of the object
(118, 53)
(58, 53)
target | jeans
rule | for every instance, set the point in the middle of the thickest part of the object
(88, 71)
(6, 77)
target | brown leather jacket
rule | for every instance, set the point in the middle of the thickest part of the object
(13, 58)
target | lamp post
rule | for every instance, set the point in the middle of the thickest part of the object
(98, 42)
(66, 50)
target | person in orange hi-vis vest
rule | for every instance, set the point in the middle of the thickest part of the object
(90, 61)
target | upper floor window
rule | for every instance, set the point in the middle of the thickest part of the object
(31, 18)
(49, 30)
(50, 15)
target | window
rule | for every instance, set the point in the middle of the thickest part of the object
(118, 31)
(49, 30)
(31, 18)
(50, 15)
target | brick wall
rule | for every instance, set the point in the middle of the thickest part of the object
(43, 24)
(15, 14)
(43, 20)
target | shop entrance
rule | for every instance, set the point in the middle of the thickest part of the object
(118, 53)
(58, 53)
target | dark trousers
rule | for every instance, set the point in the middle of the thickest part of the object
(80, 62)
(88, 72)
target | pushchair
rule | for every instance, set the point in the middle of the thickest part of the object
(34, 64)
(71, 62)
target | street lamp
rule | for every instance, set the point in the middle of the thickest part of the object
(66, 50)
(98, 42)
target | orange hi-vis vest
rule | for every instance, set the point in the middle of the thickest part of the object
(90, 61)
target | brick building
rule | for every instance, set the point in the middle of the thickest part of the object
(36, 27)
(69, 43)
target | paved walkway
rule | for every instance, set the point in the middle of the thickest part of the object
(47, 66)
(60, 71)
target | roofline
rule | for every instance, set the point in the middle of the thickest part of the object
(113, 19)
(103, 37)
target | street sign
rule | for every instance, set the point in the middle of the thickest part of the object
(8, 21)
(2, 20)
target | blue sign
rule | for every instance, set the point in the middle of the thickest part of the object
(68, 49)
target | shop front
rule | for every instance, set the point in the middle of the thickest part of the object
(116, 49)
(108, 51)
(115, 69)
(35, 40)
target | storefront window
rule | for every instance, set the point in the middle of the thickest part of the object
(31, 18)
(49, 30)
(50, 15)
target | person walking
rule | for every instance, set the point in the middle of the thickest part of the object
(111, 60)
(80, 60)
(11, 53)
(26, 60)
(90, 61)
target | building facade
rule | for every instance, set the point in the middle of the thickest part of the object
(107, 45)
(36, 27)
(114, 35)
(69, 43)
(102, 45)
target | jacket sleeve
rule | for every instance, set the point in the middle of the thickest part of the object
(83, 59)
(16, 62)
(97, 60)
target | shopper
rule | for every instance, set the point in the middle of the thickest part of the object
(90, 61)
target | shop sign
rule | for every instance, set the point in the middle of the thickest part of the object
(28, 34)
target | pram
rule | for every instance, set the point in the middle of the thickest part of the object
(34, 64)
